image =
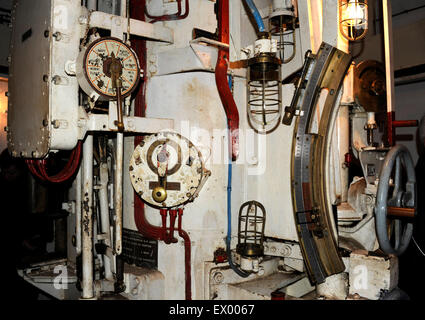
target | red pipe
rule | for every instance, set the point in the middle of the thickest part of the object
(165, 236)
(148, 230)
(405, 123)
(187, 251)
(221, 80)
(392, 124)
(173, 215)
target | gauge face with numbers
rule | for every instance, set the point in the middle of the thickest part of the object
(97, 64)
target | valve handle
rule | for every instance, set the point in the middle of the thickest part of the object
(398, 207)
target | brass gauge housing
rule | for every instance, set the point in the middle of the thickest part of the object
(95, 64)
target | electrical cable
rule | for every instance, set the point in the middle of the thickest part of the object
(417, 246)
(38, 167)
(229, 225)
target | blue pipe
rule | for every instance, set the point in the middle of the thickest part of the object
(256, 14)
(229, 224)
(229, 210)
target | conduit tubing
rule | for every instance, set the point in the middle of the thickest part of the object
(229, 225)
(187, 253)
(38, 167)
(256, 14)
(224, 91)
(157, 233)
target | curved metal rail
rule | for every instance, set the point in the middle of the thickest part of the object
(312, 209)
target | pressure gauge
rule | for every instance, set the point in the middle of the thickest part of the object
(167, 170)
(104, 60)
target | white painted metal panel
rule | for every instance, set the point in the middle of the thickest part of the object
(29, 82)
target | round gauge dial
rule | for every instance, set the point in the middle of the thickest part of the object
(171, 163)
(98, 59)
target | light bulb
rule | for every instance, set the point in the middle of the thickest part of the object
(354, 13)
(353, 19)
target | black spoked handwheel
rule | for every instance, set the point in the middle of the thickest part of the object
(394, 211)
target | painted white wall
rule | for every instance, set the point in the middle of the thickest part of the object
(192, 99)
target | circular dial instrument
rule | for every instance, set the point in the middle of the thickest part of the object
(106, 59)
(167, 170)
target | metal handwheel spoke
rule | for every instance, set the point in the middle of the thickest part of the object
(401, 206)
(397, 177)
(397, 233)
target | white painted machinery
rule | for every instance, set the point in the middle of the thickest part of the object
(213, 146)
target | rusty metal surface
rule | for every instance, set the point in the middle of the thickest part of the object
(401, 212)
(28, 113)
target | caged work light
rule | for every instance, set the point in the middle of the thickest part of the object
(252, 219)
(353, 19)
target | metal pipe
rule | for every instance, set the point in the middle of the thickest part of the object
(389, 67)
(187, 256)
(401, 212)
(405, 123)
(221, 80)
(118, 192)
(256, 14)
(104, 216)
(115, 7)
(78, 212)
(92, 5)
(87, 219)
(123, 9)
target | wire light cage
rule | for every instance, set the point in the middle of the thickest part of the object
(283, 29)
(252, 221)
(264, 92)
(353, 19)
(283, 22)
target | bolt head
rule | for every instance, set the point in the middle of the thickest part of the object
(218, 277)
(82, 19)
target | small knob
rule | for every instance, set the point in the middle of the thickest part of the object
(159, 194)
